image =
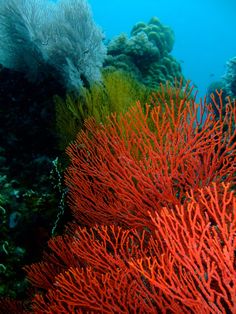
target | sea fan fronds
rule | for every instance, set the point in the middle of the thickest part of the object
(187, 264)
(148, 159)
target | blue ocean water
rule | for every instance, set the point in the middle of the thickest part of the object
(205, 31)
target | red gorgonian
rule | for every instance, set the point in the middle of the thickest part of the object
(148, 159)
(152, 193)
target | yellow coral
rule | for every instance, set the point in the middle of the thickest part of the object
(117, 92)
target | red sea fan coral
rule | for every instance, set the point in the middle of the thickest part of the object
(101, 282)
(147, 159)
(153, 190)
(195, 246)
(187, 265)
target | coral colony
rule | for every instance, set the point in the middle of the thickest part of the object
(139, 215)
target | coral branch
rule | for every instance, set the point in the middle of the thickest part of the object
(197, 266)
(147, 159)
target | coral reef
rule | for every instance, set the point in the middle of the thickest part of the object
(146, 54)
(151, 187)
(153, 197)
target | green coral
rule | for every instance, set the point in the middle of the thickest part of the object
(146, 54)
(165, 70)
(142, 50)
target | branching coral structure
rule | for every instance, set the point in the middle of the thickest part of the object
(154, 204)
(187, 265)
(143, 161)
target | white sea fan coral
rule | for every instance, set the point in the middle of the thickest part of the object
(38, 35)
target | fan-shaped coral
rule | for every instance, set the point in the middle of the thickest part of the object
(149, 158)
(154, 191)
(186, 266)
